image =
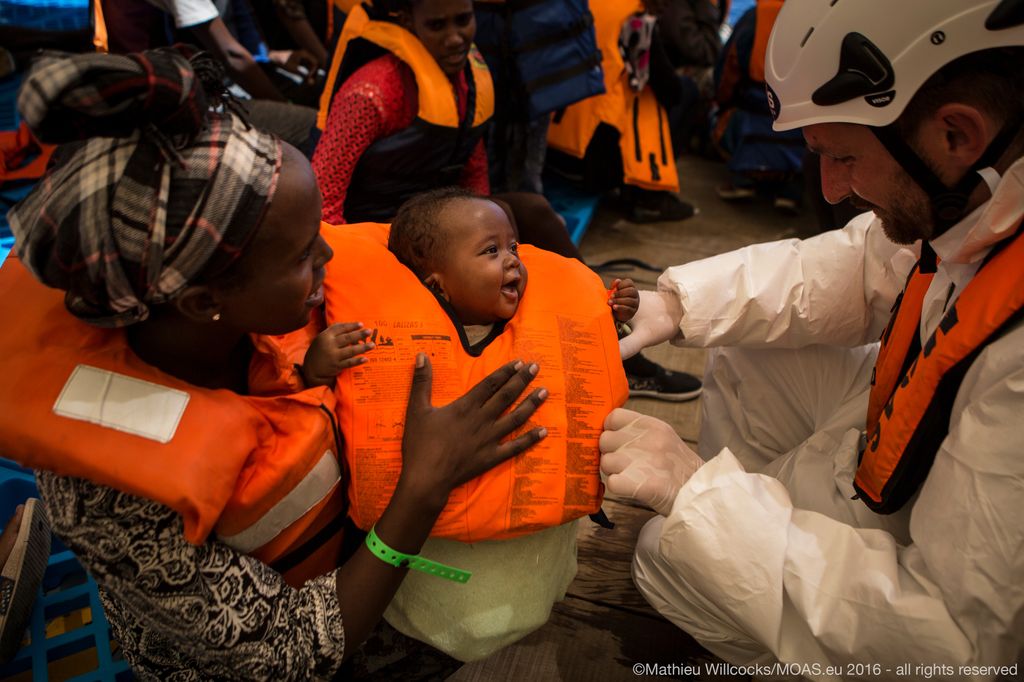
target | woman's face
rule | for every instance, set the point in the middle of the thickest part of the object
(446, 28)
(284, 269)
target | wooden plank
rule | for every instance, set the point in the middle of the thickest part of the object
(604, 557)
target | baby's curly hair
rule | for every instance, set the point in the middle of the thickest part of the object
(418, 239)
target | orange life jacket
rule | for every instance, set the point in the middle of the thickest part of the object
(337, 9)
(563, 323)
(644, 136)
(430, 152)
(100, 39)
(258, 472)
(16, 148)
(436, 103)
(913, 387)
(767, 12)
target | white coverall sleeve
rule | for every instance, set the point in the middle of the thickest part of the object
(836, 288)
(811, 589)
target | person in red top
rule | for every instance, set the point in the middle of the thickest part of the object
(381, 98)
(377, 101)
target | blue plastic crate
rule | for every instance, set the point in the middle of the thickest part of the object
(66, 590)
(45, 15)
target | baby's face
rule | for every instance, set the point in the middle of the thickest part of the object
(482, 277)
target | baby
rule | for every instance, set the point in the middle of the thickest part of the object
(456, 264)
(464, 249)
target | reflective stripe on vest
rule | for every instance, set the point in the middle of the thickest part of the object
(437, 104)
(912, 393)
(79, 402)
(644, 136)
(563, 323)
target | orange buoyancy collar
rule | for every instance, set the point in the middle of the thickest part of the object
(644, 136)
(437, 105)
(913, 387)
(563, 323)
(259, 472)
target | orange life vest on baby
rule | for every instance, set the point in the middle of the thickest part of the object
(644, 137)
(259, 473)
(563, 323)
(913, 387)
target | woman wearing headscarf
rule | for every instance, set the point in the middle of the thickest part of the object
(177, 452)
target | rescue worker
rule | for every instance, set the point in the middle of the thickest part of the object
(193, 478)
(858, 508)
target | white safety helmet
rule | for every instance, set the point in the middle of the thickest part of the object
(861, 61)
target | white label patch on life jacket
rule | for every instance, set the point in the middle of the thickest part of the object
(309, 492)
(120, 402)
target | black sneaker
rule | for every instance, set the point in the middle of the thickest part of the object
(653, 206)
(648, 379)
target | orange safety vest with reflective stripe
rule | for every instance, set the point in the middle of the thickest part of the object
(644, 136)
(260, 473)
(913, 387)
(563, 323)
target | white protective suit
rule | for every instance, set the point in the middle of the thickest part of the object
(764, 555)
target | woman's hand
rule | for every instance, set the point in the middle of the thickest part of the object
(443, 447)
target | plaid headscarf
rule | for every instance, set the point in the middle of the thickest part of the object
(162, 191)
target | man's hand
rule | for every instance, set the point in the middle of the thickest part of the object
(655, 322)
(624, 299)
(644, 460)
(338, 347)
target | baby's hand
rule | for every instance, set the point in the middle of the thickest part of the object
(624, 299)
(334, 349)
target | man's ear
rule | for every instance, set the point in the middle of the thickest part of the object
(965, 133)
(435, 282)
(199, 303)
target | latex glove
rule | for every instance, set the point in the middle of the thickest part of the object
(656, 321)
(644, 460)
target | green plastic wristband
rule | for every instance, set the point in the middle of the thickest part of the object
(413, 561)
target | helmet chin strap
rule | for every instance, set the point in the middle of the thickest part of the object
(949, 203)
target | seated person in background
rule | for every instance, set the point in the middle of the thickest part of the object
(231, 37)
(291, 24)
(759, 158)
(451, 281)
(408, 116)
(690, 32)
